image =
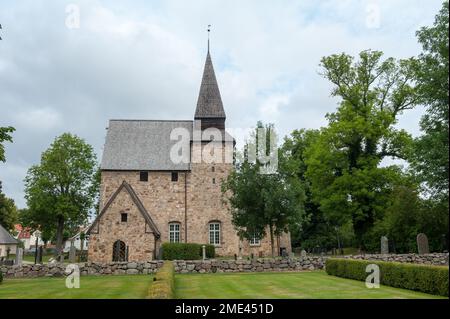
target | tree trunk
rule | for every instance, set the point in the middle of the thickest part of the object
(59, 236)
(272, 240)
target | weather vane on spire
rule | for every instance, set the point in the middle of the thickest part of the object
(209, 30)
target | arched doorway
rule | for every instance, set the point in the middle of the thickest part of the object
(119, 251)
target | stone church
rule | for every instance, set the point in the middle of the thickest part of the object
(150, 194)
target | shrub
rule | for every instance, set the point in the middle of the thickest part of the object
(1, 277)
(184, 251)
(424, 278)
(163, 286)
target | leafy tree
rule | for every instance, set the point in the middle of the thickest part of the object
(430, 160)
(343, 165)
(261, 201)
(8, 211)
(5, 135)
(59, 190)
(315, 231)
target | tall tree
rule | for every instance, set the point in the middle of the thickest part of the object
(431, 159)
(259, 200)
(347, 180)
(59, 190)
(5, 135)
(8, 211)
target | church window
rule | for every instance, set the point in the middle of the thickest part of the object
(123, 217)
(214, 180)
(143, 176)
(214, 233)
(213, 169)
(174, 232)
(174, 176)
(255, 240)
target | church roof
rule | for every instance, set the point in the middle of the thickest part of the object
(136, 201)
(141, 145)
(6, 238)
(209, 103)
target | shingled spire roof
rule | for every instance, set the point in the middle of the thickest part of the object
(209, 104)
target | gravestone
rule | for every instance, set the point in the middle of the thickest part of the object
(422, 244)
(204, 252)
(384, 245)
(19, 257)
(72, 253)
(303, 253)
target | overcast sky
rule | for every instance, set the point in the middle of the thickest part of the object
(135, 60)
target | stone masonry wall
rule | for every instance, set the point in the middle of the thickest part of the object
(58, 270)
(134, 232)
(306, 263)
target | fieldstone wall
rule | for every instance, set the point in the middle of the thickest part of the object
(439, 259)
(58, 270)
(256, 265)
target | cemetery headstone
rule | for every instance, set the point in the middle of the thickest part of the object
(384, 245)
(204, 252)
(303, 253)
(19, 256)
(72, 253)
(422, 244)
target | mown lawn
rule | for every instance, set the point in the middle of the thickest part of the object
(91, 287)
(314, 285)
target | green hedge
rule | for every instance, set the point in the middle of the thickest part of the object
(1, 277)
(183, 251)
(424, 278)
(163, 286)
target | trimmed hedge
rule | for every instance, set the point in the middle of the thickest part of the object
(424, 278)
(163, 286)
(183, 251)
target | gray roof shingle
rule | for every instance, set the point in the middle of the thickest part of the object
(141, 145)
(6, 238)
(209, 103)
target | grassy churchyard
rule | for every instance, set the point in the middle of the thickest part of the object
(315, 284)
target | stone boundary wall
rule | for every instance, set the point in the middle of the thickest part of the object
(438, 259)
(214, 265)
(256, 265)
(89, 268)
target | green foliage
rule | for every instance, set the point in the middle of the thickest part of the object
(5, 135)
(430, 158)
(59, 191)
(186, 251)
(261, 198)
(1, 277)
(343, 165)
(424, 278)
(163, 286)
(8, 211)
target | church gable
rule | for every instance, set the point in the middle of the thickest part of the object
(123, 209)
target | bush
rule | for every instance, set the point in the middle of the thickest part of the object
(1, 277)
(423, 278)
(163, 286)
(183, 251)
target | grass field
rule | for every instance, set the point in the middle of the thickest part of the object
(91, 287)
(315, 285)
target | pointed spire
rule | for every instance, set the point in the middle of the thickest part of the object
(209, 104)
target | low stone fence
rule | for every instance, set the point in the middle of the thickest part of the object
(256, 265)
(438, 259)
(89, 268)
(308, 262)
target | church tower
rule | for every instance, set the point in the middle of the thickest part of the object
(209, 104)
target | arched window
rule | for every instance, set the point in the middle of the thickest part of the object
(174, 232)
(119, 251)
(214, 233)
